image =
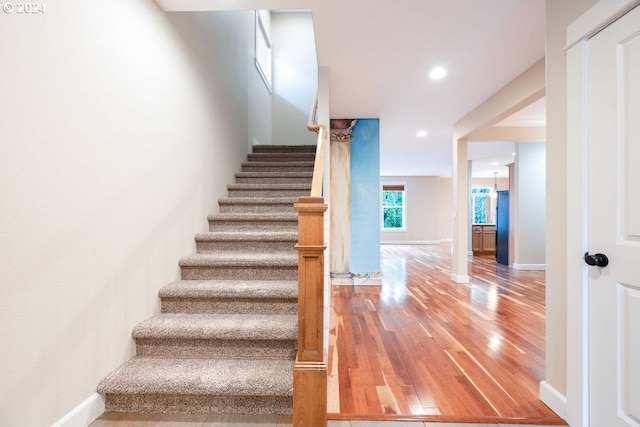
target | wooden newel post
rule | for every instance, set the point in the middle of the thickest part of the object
(310, 370)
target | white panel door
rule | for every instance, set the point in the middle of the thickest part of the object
(614, 223)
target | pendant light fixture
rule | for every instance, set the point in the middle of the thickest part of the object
(494, 190)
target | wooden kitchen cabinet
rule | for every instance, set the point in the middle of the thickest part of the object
(483, 238)
(476, 238)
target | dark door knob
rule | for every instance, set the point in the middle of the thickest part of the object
(599, 260)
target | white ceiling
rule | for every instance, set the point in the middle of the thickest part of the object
(380, 52)
(491, 158)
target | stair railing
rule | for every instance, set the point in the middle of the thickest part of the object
(310, 370)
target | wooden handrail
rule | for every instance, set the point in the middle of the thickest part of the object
(312, 123)
(310, 369)
(318, 165)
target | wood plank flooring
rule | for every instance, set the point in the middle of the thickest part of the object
(421, 347)
(212, 420)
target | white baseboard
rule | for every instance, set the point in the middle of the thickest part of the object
(367, 281)
(460, 279)
(469, 253)
(410, 242)
(553, 399)
(83, 414)
(529, 266)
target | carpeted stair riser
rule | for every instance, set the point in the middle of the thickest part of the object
(249, 222)
(234, 326)
(212, 246)
(257, 205)
(277, 167)
(284, 148)
(199, 404)
(281, 157)
(225, 340)
(240, 266)
(263, 192)
(216, 349)
(274, 177)
(239, 273)
(229, 306)
(230, 297)
(247, 241)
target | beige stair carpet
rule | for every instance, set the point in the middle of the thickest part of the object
(225, 339)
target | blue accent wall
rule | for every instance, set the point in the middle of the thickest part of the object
(365, 197)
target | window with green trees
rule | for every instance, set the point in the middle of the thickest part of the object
(479, 204)
(393, 207)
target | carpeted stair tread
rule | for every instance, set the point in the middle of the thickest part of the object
(249, 186)
(274, 175)
(240, 259)
(219, 326)
(249, 217)
(284, 148)
(258, 204)
(268, 190)
(239, 377)
(271, 165)
(240, 289)
(257, 200)
(271, 236)
(278, 157)
(254, 221)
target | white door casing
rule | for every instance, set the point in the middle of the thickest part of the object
(603, 206)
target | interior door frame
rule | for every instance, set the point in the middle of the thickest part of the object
(579, 32)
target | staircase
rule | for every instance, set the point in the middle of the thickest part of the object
(225, 339)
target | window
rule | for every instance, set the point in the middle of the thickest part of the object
(393, 207)
(263, 45)
(479, 205)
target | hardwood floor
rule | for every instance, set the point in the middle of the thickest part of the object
(421, 347)
(212, 420)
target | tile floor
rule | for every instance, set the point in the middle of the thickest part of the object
(153, 420)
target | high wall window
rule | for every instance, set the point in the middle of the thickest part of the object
(393, 207)
(263, 45)
(480, 207)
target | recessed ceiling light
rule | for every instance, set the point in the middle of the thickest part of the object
(494, 163)
(421, 133)
(437, 73)
(513, 154)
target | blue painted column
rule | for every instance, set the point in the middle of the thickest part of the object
(364, 260)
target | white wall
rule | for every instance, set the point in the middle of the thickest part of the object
(446, 222)
(295, 77)
(529, 232)
(559, 15)
(121, 126)
(422, 210)
(503, 183)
